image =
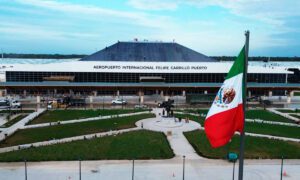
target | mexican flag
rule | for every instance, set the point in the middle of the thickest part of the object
(226, 114)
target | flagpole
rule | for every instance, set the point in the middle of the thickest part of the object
(242, 136)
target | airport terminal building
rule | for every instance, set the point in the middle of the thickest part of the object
(140, 68)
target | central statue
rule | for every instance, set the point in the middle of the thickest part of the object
(168, 105)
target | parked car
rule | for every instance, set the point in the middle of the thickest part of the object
(15, 104)
(118, 102)
(4, 104)
(50, 105)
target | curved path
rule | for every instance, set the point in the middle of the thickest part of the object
(174, 132)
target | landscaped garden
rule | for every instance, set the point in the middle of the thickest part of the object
(258, 128)
(16, 111)
(13, 121)
(273, 129)
(25, 136)
(297, 93)
(65, 115)
(255, 147)
(132, 145)
(296, 116)
(250, 114)
(288, 110)
(266, 115)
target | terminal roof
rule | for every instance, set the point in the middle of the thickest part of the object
(148, 51)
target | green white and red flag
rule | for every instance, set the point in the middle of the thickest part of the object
(226, 114)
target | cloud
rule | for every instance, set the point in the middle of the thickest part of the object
(25, 31)
(90, 11)
(268, 11)
(154, 4)
(95, 26)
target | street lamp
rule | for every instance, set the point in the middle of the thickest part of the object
(25, 163)
(132, 170)
(183, 168)
(79, 169)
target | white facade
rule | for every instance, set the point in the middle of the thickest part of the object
(139, 67)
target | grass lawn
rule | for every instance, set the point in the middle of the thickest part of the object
(272, 129)
(131, 145)
(258, 128)
(250, 114)
(25, 136)
(266, 115)
(64, 115)
(13, 121)
(17, 111)
(297, 93)
(296, 116)
(288, 111)
(254, 147)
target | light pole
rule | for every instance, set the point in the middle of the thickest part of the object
(132, 169)
(281, 167)
(25, 162)
(183, 168)
(79, 169)
(233, 170)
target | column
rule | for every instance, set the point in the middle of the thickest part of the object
(24, 92)
(91, 101)
(118, 93)
(270, 93)
(249, 93)
(162, 93)
(167, 96)
(291, 93)
(141, 96)
(95, 93)
(288, 99)
(183, 93)
(38, 101)
(205, 92)
(156, 92)
(71, 92)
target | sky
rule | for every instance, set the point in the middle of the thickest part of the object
(212, 27)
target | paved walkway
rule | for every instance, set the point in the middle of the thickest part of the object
(171, 169)
(65, 140)
(82, 120)
(249, 120)
(12, 129)
(174, 132)
(273, 110)
(273, 137)
(195, 167)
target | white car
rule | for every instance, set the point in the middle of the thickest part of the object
(49, 105)
(4, 104)
(118, 102)
(15, 104)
